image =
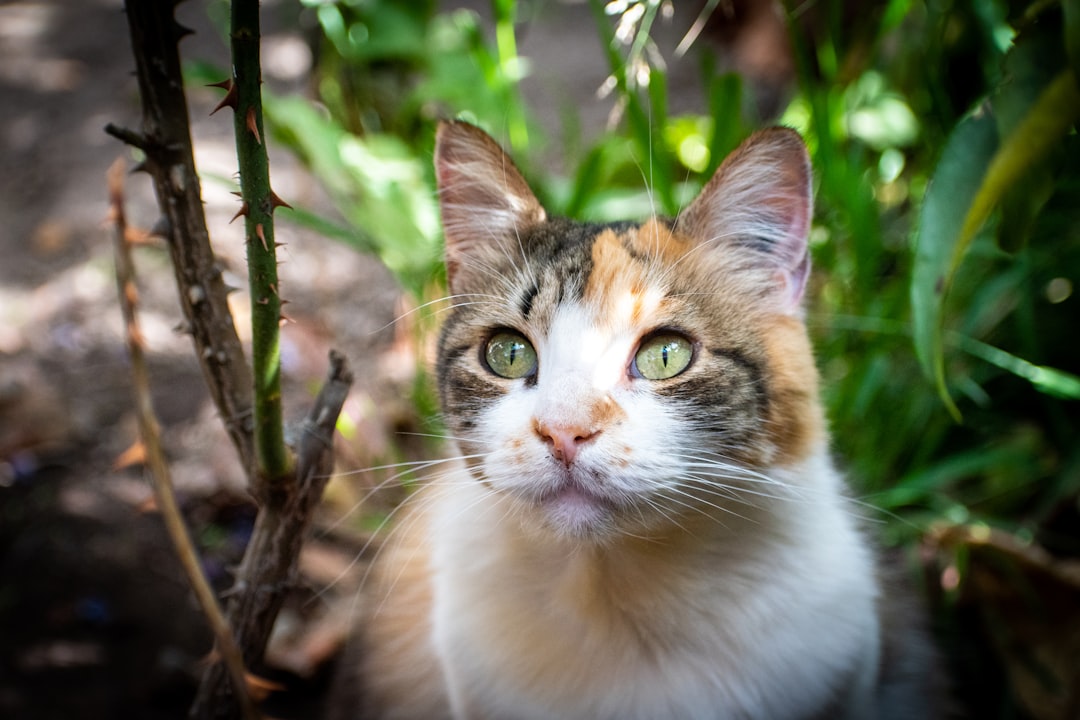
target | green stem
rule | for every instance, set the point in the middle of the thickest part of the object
(259, 201)
(510, 72)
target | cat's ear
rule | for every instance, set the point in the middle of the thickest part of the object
(483, 198)
(760, 201)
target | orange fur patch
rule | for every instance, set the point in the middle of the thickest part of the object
(605, 412)
(795, 416)
(620, 275)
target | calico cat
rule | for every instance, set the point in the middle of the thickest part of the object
(647, 523)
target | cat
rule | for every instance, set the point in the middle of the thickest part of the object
(647, 523)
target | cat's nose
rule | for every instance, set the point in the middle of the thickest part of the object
(564, 441)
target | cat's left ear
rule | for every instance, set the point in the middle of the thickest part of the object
(760, 202)
(485, 202)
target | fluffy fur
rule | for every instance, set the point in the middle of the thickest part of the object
(618, 547)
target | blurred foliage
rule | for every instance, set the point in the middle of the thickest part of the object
(946, 239)
(946, 231)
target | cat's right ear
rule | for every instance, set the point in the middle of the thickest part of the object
(759, 204)
(484, 200)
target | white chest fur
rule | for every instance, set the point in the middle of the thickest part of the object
(769, 616)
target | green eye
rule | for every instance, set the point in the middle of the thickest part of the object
(509, 355)
(663, 356)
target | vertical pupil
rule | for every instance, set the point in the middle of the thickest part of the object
(513, 352)
(664, 353)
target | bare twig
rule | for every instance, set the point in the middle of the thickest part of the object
(268, 570)
(150, 433)
(166, 141)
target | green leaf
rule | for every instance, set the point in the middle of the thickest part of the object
(1048, 380)
(952, 190)
(1071, 10)
(378, 184)
(965, 191)
(1035, 137)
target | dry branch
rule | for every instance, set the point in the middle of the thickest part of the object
(150, 435)
(268, 571)
(166, 141)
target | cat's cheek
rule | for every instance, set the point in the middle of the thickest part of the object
(510, 450)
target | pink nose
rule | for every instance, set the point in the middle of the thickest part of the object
(564, 440)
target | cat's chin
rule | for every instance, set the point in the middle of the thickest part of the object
(573, 511)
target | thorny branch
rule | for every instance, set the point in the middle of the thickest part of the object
(150, 434)
(166, 141)
(268, 571)
(269, 567)
(244, 96)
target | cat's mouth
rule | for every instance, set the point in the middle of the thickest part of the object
(573, 508)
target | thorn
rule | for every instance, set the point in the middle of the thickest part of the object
(135, 454)
(181, 31)
(262, 236)
(242, 211)
(279, 244)
(252, 126)
(237, 193)
(130, 137)
(259, 688)
(135, 337)
(224, 84)
(284, 320)
(231, 99)
(263, 301)
(161, 228)
(131, 293)
(283, 302)
(276, 202)
(136, 236)
(273, 288)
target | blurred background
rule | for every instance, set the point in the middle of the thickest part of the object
(946, 246)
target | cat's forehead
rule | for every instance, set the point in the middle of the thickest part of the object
(620, 271)
(632, 269)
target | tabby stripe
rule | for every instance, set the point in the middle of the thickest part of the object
(753, 369)
(527, 301)
(451, 355)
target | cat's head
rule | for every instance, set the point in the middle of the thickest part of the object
(611, 378)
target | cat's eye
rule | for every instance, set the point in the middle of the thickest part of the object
(663, 356)
(509, 355)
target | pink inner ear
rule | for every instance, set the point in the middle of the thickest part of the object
(482, 197)
(759, 203)
(793, 283)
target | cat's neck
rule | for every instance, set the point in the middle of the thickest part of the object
(727, 596)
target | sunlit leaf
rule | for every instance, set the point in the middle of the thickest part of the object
(1035, 137)
(952, 190)
(954, 196)
(1045, 379)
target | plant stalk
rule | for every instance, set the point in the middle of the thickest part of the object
(272, 458)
